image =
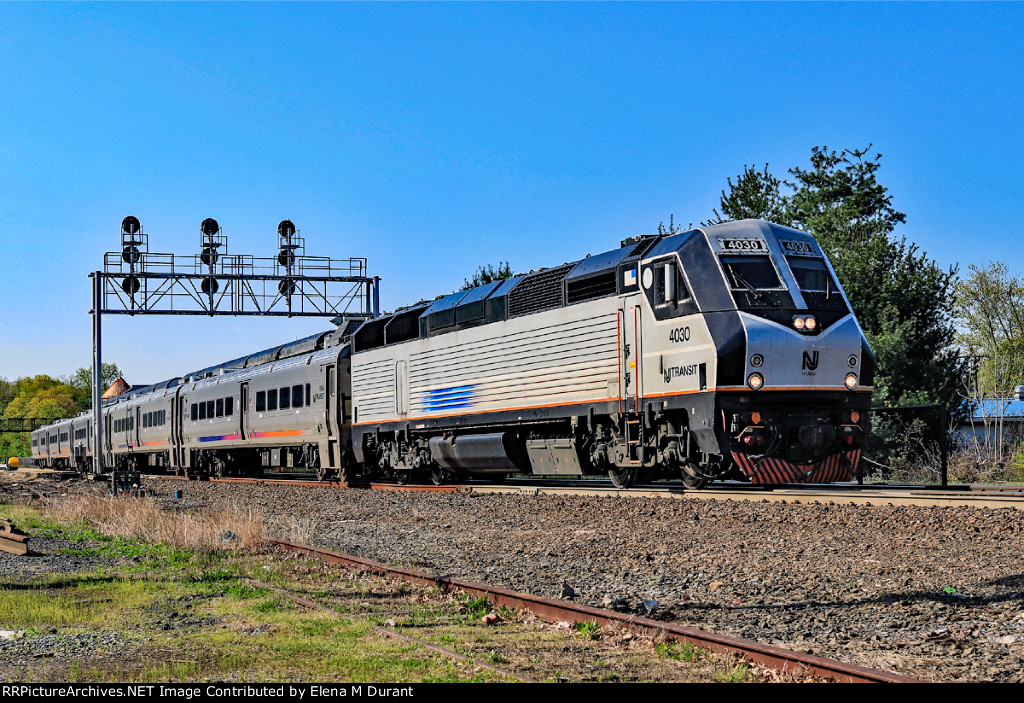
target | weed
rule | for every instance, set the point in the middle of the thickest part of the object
(589, 630)
(494, 658)
(508, 614)
(680, 651)
(269, 606)
(737, 672)
(476, 607)
(212, 576)
(244, 591)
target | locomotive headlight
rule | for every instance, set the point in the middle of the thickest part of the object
(854, 416)
(851, 380)
(755, 381)
(805, 324)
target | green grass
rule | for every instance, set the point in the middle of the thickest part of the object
(476, 607)
(681, 651)
(186, 616)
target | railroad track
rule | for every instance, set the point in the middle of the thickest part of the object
(974, 496)
(564, 611)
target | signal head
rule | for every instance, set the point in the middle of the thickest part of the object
(286, 229)
(131, 225)
(209, 226)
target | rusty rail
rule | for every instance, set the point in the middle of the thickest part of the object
(557, 610)
(12, 541)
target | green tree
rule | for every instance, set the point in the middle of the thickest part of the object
(904, 301)
(6, 393)
(756, 195)
(36, 396)
(990, 321)
(488, 274)
(81, 381)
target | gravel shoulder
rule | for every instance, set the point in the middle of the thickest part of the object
(932, 593)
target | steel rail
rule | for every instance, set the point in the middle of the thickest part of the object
(973, 496)
(320, 484)
(556, 611)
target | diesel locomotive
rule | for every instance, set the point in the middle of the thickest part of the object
(724, 352)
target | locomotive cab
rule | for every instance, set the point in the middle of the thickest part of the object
(791, 385)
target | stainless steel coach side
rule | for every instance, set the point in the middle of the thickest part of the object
(282, 414)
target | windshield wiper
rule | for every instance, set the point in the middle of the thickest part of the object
(746, 284)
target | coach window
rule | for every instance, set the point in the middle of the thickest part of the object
(220, 407)
(272, 399)
(307, 395)
(297, 396)
(229, 405)
(202, 411)
(209, 408)
(261, 401)
(286, 398)
(195, 412)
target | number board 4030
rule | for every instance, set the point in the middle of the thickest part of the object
(741, 245)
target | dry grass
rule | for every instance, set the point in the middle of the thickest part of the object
(139, 518)
(293, 529)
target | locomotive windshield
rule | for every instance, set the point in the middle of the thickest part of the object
(811, 274)
(820, 289)
(751, 273)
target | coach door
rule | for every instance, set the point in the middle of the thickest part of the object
(177, 429)
(331, 415)
(629, 352)
(243, 415)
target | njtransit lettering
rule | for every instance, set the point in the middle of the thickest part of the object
(676, 371)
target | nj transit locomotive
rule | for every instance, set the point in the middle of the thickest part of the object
(727, 351)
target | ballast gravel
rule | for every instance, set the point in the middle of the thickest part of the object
(935, 593)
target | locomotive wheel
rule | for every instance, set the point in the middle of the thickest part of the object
(403, 476)
(623, 477)
(440, 476)
(691, 476)
(694, 482)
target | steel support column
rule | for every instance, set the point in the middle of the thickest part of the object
(97, 373)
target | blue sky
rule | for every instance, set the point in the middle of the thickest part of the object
(433, 138)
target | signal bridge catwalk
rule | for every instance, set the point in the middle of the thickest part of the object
(136, 281)
(213, 282)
